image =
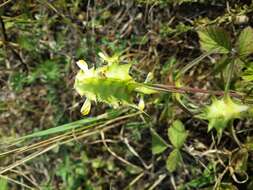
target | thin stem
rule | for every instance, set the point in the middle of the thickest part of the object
(234, 136)
(5, 3)
(3, 31)
(174, 89)
(230, 74)
(194, 62)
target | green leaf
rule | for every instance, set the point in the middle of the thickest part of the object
(158, 144)
(3, 184)
(248, 74)
(244, 44)
(84, 123)
(49, 71)
(177, 134)
(201, 181)
(27, 42)
(221, 64)
(215, 39)
(173, 160)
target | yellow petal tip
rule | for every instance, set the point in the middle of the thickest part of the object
(85, 110)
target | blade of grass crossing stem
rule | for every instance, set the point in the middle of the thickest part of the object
(194, 62)
(74, 125)
(230, 74)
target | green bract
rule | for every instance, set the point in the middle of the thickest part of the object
(111, 84)
(221, 112)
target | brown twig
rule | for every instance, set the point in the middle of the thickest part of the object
(5, 3)
(171, 88)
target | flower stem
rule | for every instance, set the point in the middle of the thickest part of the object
(230, 74)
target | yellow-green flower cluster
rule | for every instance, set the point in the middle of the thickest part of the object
(111, 84)
(222, 111)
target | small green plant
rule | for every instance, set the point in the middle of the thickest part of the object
(177, 136)
(73, 174)
(47, 72)
(216, 40)
(113, 85)
(43, 35)
(233, 58)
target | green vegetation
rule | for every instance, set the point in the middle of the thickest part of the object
(137, 94)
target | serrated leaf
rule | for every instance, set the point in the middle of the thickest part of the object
(215, 39)
(115, 59)
(177, 134)
(158, 144)
(248, 74)
(120, 72)
(173, 160)
(244, 43)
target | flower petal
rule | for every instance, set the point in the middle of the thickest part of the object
(82, 65)
(141, 104)
(86, 107)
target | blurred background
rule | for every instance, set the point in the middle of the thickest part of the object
(40, 42)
